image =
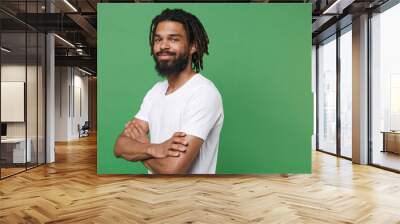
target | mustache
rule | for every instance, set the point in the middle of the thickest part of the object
(166, 52)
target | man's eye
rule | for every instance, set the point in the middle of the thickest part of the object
(175, 40)
(156, 40)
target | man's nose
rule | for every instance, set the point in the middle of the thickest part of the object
(164, 44)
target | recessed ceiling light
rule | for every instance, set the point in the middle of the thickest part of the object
(70, 5)
(5, 50)
(64, 40)
(337, 7)
(84, 71)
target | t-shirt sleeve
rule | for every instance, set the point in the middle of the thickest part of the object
(143, 113)
(202, 112)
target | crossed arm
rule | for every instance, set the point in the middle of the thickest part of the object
(173, 156)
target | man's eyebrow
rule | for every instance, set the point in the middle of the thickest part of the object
(170, 35)
(175, 35)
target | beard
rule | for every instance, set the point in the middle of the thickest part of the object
(174, 66)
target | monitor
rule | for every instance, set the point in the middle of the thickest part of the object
(3, 129)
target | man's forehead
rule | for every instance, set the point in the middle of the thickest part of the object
(170, 28)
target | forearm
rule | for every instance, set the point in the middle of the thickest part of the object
(131, 149)
(167, 165)
(176, 165)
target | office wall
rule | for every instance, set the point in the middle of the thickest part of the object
(62, 81)
(71, 102)
(15, 72)
(12, 98)
(92, 89)
(80, 109)
(34, 125)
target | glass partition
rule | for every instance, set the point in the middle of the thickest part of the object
(14, 153)
(346, 92)
(327, 95)
(22, 63)
(385, 89)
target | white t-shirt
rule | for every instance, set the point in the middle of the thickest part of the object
(194, 108)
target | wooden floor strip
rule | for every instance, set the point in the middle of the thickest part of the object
(70, 191)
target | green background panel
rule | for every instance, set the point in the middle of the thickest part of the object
(260, 60)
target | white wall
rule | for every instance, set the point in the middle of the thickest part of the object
(62, 81)
(34, 125)
(16, 72)
(71, 93)
(80, 110)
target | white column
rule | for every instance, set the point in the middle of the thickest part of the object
(360, 90)
(50, 92)
(314, 91)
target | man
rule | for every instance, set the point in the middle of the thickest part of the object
(183, 114)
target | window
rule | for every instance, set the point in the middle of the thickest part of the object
(327, 95)
(346, 92)
(385, 88)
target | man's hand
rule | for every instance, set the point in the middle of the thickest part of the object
(176, 164)
(173, 147)
(133, 143)
(136, 132)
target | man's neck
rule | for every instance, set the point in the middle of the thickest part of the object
(176, 81)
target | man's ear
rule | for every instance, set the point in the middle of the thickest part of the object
(193, 48)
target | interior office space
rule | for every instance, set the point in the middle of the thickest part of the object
(48, 125)
(376, 87)
(32, 95)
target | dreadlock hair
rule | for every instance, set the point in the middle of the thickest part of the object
(194, 30)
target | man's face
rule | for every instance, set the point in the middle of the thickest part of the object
(171, 48)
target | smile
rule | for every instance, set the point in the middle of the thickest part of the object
(164, 56)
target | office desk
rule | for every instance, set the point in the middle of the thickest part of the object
(13, 150)
(391, 141)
